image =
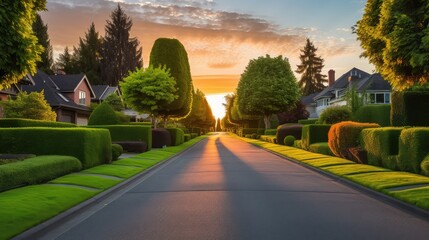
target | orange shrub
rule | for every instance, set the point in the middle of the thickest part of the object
(345, 135)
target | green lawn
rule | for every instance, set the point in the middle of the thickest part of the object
(92, 181)
(418, 196)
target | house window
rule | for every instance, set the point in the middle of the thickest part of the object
(323, 102)
(379, 98)
(82, 97)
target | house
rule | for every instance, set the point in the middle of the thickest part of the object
(102, 92)
(13, 91)
(376, 90)
(68, 95)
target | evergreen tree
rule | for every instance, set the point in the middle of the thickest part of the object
(89, 55)
(67, 62)
(312, 80)
(40, 29)
(120, 53)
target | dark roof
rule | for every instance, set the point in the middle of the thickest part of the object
(103, 91)
(67, 83)
(307, 100)
(51, 91)
(375, 83)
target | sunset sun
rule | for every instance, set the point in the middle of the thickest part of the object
(216, 102)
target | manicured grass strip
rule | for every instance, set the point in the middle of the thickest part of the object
(417, 196)
(143, 163)
(384, 180)
(26, 207)
(92, 181)
(342, 170)
(115, 170)
(324, 162)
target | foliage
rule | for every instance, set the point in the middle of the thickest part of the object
(40, 29)
(314, 133)
(19, 49)
(103, 115)
(308, 121)
(335, 114)
(88, 55)
(120, 53)
(31, 106)
(395, 38)
(201, 114)
(407, 108)
(270, 131)
(20, 122)
(294, 114)
(320, 147)
(141, 133)
(186, 137)
(115, 102)
(354, 99)
(345, 135)
(414, 150)
(268, 138)
(161, 138)
(288, 129)
(68, 62)
(267, 86)
(218, 126)
(375, 113)
(91, 146)
(172, 54)
(177, 136)
(312, 80)
(117, 150)
(36, 170)
(289, 140)
(149, 90)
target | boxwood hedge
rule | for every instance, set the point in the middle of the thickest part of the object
(36, 170)
(284, 130)
(376, 113)
(22, 122)
(91, 146)
(314, 133)
(414, 150)
(177, 136)
(119, 133)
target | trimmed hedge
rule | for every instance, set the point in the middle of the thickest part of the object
(245, 131)
(117, 150)
(381, 145)
(308, 121)
(270, 132)
(289, 140)
(260, 131)
(407, 108)
(186, 137)
(314, 133)
(345, 135)
(376, 113)
(118, 133)
(161, 137)
(103, 114)
(268, 138)
(91, 146)
(194, 135)
(288, 129)
(321, 147)
(414, 150)
(36, 170)
(22, 122)
(196, 130)
(140, 123)
(177, 136)
(297, 144)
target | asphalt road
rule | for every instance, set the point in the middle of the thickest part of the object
(224, 188)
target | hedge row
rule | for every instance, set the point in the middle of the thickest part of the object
(118, 133)
(269, 138)
(91, 146)
(314, 133)
(407, 108)
(161, 138)
(376, 113)
(177, 136)
(288, 129)
(270, 132)
(321, 147)
(36, 170)
(21, 122)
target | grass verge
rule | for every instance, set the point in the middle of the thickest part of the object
(23, 208)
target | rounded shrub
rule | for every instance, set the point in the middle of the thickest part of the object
(103, 115)
(160, 138)
(288, 129)
(335, 114)
(117, 150)
(289, 140)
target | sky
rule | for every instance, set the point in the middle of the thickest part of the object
(221, 36)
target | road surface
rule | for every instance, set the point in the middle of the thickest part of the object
(223, 188)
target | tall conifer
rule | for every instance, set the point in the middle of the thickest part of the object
(40, 29)
(89, 55)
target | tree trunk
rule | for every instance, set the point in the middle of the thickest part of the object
(154, 121)
(267, 121)
(165, 121)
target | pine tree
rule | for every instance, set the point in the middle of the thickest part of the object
(120, 53)
(89, 55)
(312, 80)
(67, 62)
(40, 29)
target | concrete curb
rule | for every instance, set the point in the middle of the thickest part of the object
(120, 189)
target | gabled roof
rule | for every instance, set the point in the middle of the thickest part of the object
(307, 100)
(69, 83)
(375, 83)
(103, 91)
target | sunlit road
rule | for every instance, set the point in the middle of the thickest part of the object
(224, 188)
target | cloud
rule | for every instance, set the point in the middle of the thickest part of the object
(221, 65)
(344, 29)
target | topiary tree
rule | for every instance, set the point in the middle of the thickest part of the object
(267, 87)
(19, 49)
(171, 54)
(395, 38)
(103, 114)
(31, 106)
(149, 90)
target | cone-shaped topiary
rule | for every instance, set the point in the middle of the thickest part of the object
(103, 115)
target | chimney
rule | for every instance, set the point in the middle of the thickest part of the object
(331, 77)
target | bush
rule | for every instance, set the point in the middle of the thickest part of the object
(245, 131)
(289, 129)
(133, 146)
(103, 114)
(314, 133)
(117, 150)
(177, 136)
(297, 144)
(414, 150)
(255, 136)
(377, 113)
(22, 122)
(335, 114)
(320, 147)
(122, 118)
(260, 131)
(141, 123)
(187, 137)
(36, 170)
(381, 144)
(270, 132)
(308, 121)
(268, 138)
(91, 146)
(196, 130)
(289, 140)
(345, 135)
(141, 133)
(161, 138)
(407, 108)
(194, 135)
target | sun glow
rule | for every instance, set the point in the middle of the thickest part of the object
(216, 102)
